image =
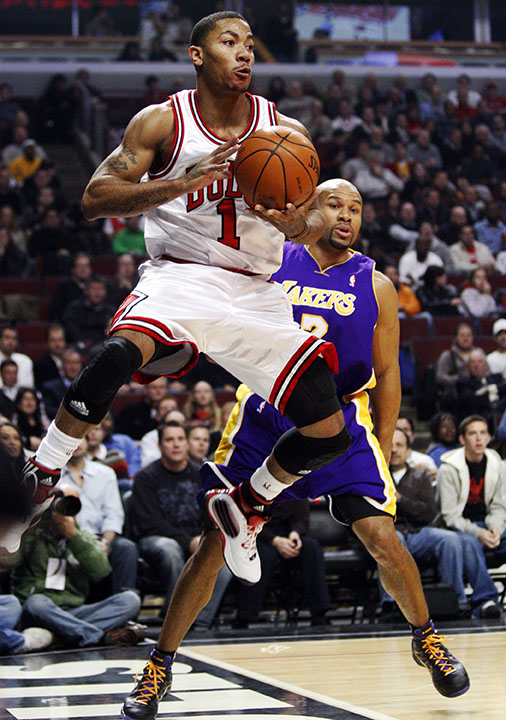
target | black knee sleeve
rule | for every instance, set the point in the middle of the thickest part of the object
(90, 395)
(314, 397)
(299, 454)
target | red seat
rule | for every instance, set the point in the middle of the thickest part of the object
(35, 350)
(32, 332)
(497, 282)
(20, 285)
(427, 350)
(120, 401)
(44, 310)
(105, 265)
(50, 284)
(413, 327)
(449, 325)
(486, 324)
(485, 342)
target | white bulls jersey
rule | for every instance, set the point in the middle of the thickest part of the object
(211, 226)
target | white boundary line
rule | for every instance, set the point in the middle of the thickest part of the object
(286, 686)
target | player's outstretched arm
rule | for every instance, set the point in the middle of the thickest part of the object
(386, 396)
(114, 189)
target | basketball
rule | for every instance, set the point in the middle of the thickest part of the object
(276, 166)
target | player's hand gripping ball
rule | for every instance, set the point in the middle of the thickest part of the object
(275, 166)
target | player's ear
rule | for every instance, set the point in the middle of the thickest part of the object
(195, 53)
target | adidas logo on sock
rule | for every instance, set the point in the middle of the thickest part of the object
(80, 407)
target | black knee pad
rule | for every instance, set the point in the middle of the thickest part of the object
(299, 454)
(90, 395)
(314, 396)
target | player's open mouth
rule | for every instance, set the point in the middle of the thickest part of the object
(343, 231)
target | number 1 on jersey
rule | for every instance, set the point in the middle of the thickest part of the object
(226, 208)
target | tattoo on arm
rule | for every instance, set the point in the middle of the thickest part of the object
(123, 161)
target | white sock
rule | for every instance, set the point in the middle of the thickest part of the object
(265, 484)
(56, 448)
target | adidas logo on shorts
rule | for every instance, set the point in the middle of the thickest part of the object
(80, 407)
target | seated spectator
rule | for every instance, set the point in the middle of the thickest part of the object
(443, 429)
(414, 263)
(101, 23)
(346, 121)
(295, 103)
(415, 458)
(477, 167)
(13, 261)
(54, 390)
(131, 238)
(452, 364)
(317, 123)
(371, 229)
(357, 162)
(285, 541)
(86, 320)
(102, 514)
(121, 285)
(376, 182)
(423, 151)
(450, 232)
(120, 441)
(166, 517)
(477, 299)
(57, 109)
(9, 220)
(8, 107)
(379, 146)
(491, 231)
(9, 387)
(201, 408)
(404, 231)
(52, 241)
(15, 149)
(27, 164)
(493, 99)
(30, 418)
(138, 418)
(199, 442)
(464, 82)
(500, 261)
(49, 366)
(13, 640)
(497, 358)
(167, 410)
(131, 52)
(482, 392)
(55, 593)
(452, 150)
(436, 296)
(407, 299)
(9, 194)
(72, 288)
(400, 164)
(472, 490)
(431, 209)
(8, 351)
(154, 94)
(473, 205)
(417, 524)
(468, 254)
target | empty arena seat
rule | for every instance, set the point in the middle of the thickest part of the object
(448, 325)
(411, 327)
(20, 286)
(32, 332)
(35, 350)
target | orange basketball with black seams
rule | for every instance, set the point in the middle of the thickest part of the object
(275, 166)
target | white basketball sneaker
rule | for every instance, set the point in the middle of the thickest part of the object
(238, 531)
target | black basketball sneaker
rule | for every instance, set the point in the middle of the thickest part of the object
(448, 674)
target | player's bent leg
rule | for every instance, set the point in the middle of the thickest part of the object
(192, 592)
(401, 579)
(320, 436)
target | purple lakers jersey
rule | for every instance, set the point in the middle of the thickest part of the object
(337, 304)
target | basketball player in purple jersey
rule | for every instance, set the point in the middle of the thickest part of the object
(337, 294)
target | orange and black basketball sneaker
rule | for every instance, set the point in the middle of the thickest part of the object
(151, 685)
(448, 674)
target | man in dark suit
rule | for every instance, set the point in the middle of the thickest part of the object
(54, 390)
(49, 366)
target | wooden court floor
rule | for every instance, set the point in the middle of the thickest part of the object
(277, 678)
(375, 677)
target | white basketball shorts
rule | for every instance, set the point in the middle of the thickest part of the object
(243, 323)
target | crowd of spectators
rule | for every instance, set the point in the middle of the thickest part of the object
(430, 166)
